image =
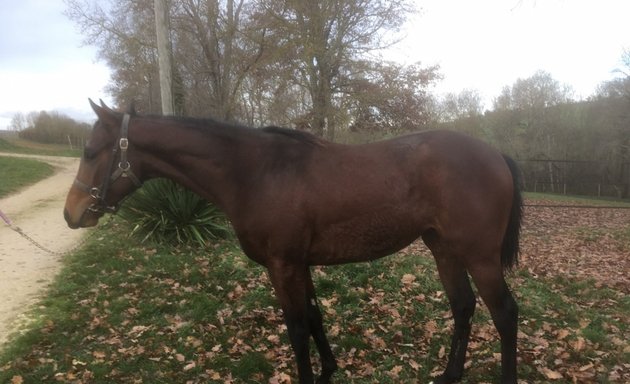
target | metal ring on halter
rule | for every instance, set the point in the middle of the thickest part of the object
(125, 168)
(95, 193)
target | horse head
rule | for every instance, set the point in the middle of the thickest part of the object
(105, 173)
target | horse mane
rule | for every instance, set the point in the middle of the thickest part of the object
(293, 134)
(230, 128)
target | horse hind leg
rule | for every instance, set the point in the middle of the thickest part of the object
(496, 295)
(329, 365)
(462, 302)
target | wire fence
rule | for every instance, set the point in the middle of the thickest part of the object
(574, 206)
(577, 177)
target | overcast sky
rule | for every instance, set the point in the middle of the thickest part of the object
(43, 65)
(488, 44)
(481, 44)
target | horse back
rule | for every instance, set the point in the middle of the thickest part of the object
(355, 203)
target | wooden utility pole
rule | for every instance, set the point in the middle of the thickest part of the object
(164, 55)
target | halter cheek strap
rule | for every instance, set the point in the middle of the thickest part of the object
(123, 170)
(124, 167)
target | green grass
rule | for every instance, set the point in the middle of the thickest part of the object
(17, 173)
(7, 146)
(583, 200)
(13, 144)
(174, 315)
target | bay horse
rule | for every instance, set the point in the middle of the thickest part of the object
(296, 201)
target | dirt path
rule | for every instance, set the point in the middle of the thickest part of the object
(26, 270)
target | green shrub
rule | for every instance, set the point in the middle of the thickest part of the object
(166, 212)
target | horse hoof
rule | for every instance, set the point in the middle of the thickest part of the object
(323, 379)
(445, 379)
(327, 372)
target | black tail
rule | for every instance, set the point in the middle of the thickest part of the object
(510, 246)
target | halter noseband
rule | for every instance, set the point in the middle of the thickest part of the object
(123, 170)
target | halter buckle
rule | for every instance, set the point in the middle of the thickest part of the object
(124, 143)
(95, 193)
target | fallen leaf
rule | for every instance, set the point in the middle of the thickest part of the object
(551, 375)
(562, 334)
(442, 352)
(408, 279)
(214, 375)
(578, 345)
(586, 367)
(394, 372)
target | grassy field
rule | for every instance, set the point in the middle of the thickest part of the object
(155, 315)
(14, 144)
(546, 198)
(17, 173)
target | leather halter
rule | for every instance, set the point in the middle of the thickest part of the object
(123, 170)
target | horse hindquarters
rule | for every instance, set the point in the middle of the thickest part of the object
(479, 237)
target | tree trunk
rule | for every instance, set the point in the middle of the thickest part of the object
(164, 56)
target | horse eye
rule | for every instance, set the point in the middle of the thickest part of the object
(88, 154)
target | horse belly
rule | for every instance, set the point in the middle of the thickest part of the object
(362, 238)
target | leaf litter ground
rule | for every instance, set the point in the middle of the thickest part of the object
(149, 315)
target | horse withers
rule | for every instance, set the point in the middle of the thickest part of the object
(297, 201)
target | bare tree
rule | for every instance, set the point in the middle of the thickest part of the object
(326, 36)
(124, 33)
(217, 47)
(214, 47)
(18, 122)
(466, 104)
(292, 62)
(390, 98)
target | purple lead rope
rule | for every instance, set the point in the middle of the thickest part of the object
(5, 218)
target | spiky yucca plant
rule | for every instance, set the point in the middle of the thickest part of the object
(168, 213)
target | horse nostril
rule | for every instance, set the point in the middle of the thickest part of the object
(66, 215)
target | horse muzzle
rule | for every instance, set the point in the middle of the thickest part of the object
(84, 217)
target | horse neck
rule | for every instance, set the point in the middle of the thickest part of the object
(204, 159)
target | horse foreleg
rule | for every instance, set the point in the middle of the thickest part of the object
(462, 301)
(329, 365)
(289, 283)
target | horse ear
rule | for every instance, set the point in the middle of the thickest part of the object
(95, 107)
(105, 107)
(104, 113)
